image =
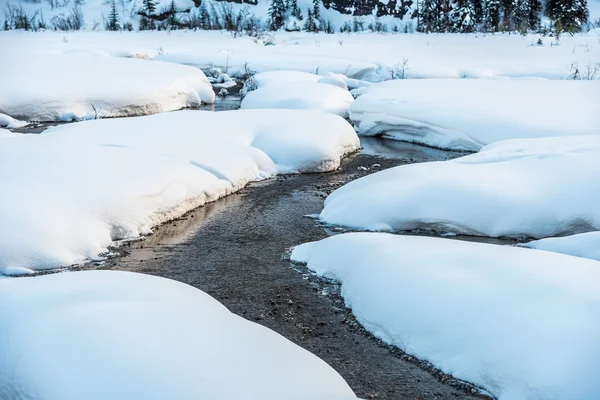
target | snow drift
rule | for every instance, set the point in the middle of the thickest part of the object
(36, 87)
(100, 335)
(522, 324)
(466, 114)
(70, 191)
(519, 188)
(586, 245)
(298, 90)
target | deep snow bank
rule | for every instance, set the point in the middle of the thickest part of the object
(70, 191)
(117, 335)
(71, 87)
(298, 90)
(520, 188)
(466, 114)
(523, 324)
(586, 245)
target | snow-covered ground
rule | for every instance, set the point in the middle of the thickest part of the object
(364, 56)
(9, 122)
(100, 335)
(67, 87)
(298, 90)
(70, 191)
(467, 114)
(586, 245)
(520, 188)
(522, 324)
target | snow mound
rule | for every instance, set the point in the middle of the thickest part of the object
(9, 122)
(35, 88)
(519, 188)
(586, 245)
(297, 90)
(117, 335)
(522, 324)
(466, 114)
(70, 191)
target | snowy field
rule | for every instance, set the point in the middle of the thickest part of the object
(522, 324)
(62, 333)
(71, 191)
(368, 56)
(519, 188)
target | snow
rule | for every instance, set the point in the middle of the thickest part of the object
(118, 335)
(517, 188)
(363, 56)
(586, 245)
(297, 90)
(522, 324)
(9, 122)
(69, 192)
(467, 114)
(35, 88)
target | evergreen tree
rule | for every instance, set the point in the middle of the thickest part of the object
(533, 17)
(572, 14)
(463, 16)
(148, 8)
(444, 10)
(317, 10)
(295, 11)
(520, 14)
(173, 21)
(277, 13)
(310, 25)
(478, 5)
(113, 18)
(428, 16)
(492, 15)
(507, 7)
(204, 17)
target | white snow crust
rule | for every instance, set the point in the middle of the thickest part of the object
(9, 122)
(519, 188)
(586, 245)
(69, 192)
(366, 56)
(72, 87)
(100, 335)
(467, 114)
(523, 324)
(298, 90)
